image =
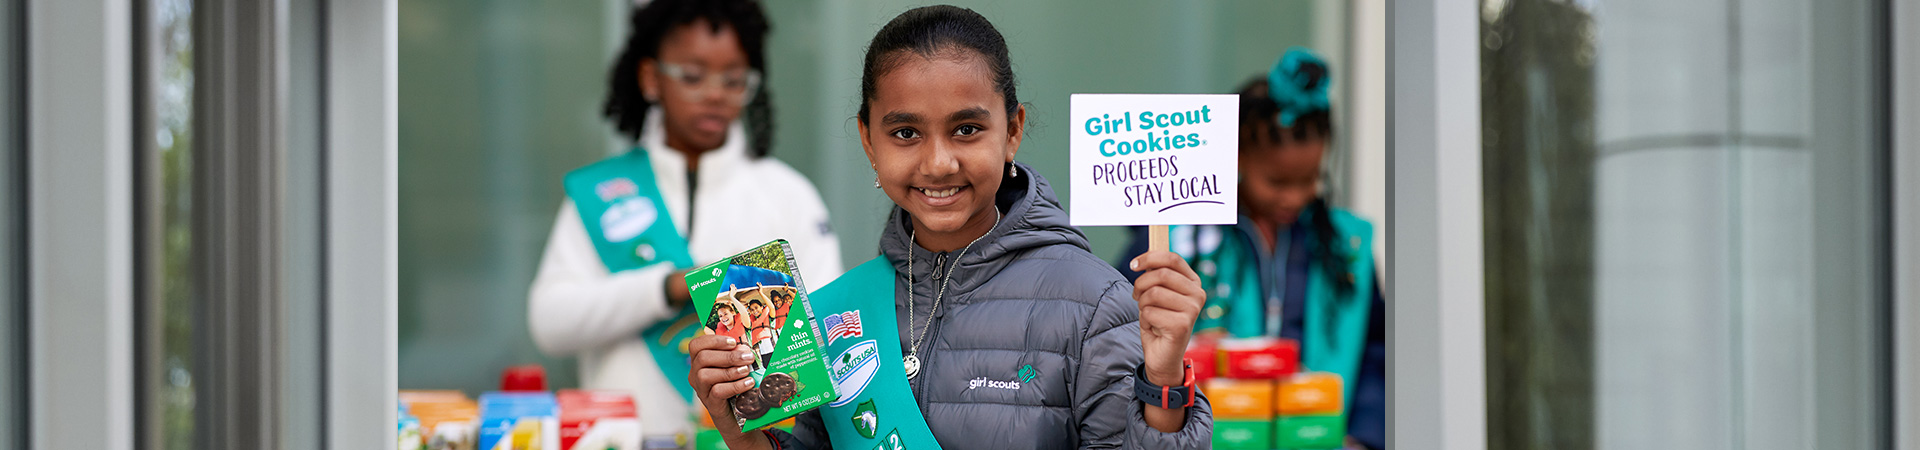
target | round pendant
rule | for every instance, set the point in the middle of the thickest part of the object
(913, 366)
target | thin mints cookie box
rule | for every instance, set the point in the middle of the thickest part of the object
(757, 298)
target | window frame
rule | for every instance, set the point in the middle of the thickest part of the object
(362, 224)
(1437, 334)
(80, 213)
(1903, 53)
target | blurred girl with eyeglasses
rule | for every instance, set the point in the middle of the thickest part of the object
(689, 90)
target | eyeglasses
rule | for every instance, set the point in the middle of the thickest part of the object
(738, 85)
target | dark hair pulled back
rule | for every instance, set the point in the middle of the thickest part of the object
(925, 32)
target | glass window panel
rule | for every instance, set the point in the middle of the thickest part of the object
(169, 95)
(1685, 221)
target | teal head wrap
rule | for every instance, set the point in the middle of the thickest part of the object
(1298, 83)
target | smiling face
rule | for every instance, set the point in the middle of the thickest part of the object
(939, 137)
(695, 116)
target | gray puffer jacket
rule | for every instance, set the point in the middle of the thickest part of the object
(1029, 293)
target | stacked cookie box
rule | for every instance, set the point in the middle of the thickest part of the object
(1261, 400)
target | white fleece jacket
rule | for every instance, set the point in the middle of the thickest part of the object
(576, 308)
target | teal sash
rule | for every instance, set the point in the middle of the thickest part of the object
(1334, 337)
(876, 408)
(620, 204)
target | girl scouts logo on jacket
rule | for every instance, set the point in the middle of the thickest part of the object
(627, 219)
(853, 370)
(981, 382)
(1026, 374)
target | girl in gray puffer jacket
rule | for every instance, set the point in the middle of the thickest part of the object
(991, 278)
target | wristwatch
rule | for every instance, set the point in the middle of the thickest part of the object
(1168, 397)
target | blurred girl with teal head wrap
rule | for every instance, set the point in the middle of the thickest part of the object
(1294, 267)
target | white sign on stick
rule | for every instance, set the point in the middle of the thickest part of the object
(1154, 159)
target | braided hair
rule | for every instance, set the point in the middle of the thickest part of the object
(1260, 116)
(627, 107)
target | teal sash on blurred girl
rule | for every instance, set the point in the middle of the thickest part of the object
(620, 204)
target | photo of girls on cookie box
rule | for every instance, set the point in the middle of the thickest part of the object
(757, 298)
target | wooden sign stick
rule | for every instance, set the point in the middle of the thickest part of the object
(1156, 238)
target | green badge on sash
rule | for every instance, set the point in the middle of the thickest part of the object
(876, 408)
(866, 419)
(620, 205)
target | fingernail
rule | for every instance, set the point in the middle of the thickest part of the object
(730, 342)
(1135, 265)
(745, 356)
(742, 369)
(749, 382)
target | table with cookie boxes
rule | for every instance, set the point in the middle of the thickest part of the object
(1261, 400)
(523, 415)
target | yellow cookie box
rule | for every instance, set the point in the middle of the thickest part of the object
(1240, 399)
(1308, 393)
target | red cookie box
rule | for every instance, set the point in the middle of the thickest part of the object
(598, 420)
(1258, 358)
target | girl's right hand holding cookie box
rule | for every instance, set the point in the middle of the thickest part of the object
(720, 367)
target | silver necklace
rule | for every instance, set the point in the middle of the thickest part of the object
(912, 361)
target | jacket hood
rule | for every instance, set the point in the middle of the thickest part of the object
(1031, 217)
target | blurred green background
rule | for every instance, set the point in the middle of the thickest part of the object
(499, 99)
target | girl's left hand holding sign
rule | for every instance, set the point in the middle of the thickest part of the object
(1170, 300)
